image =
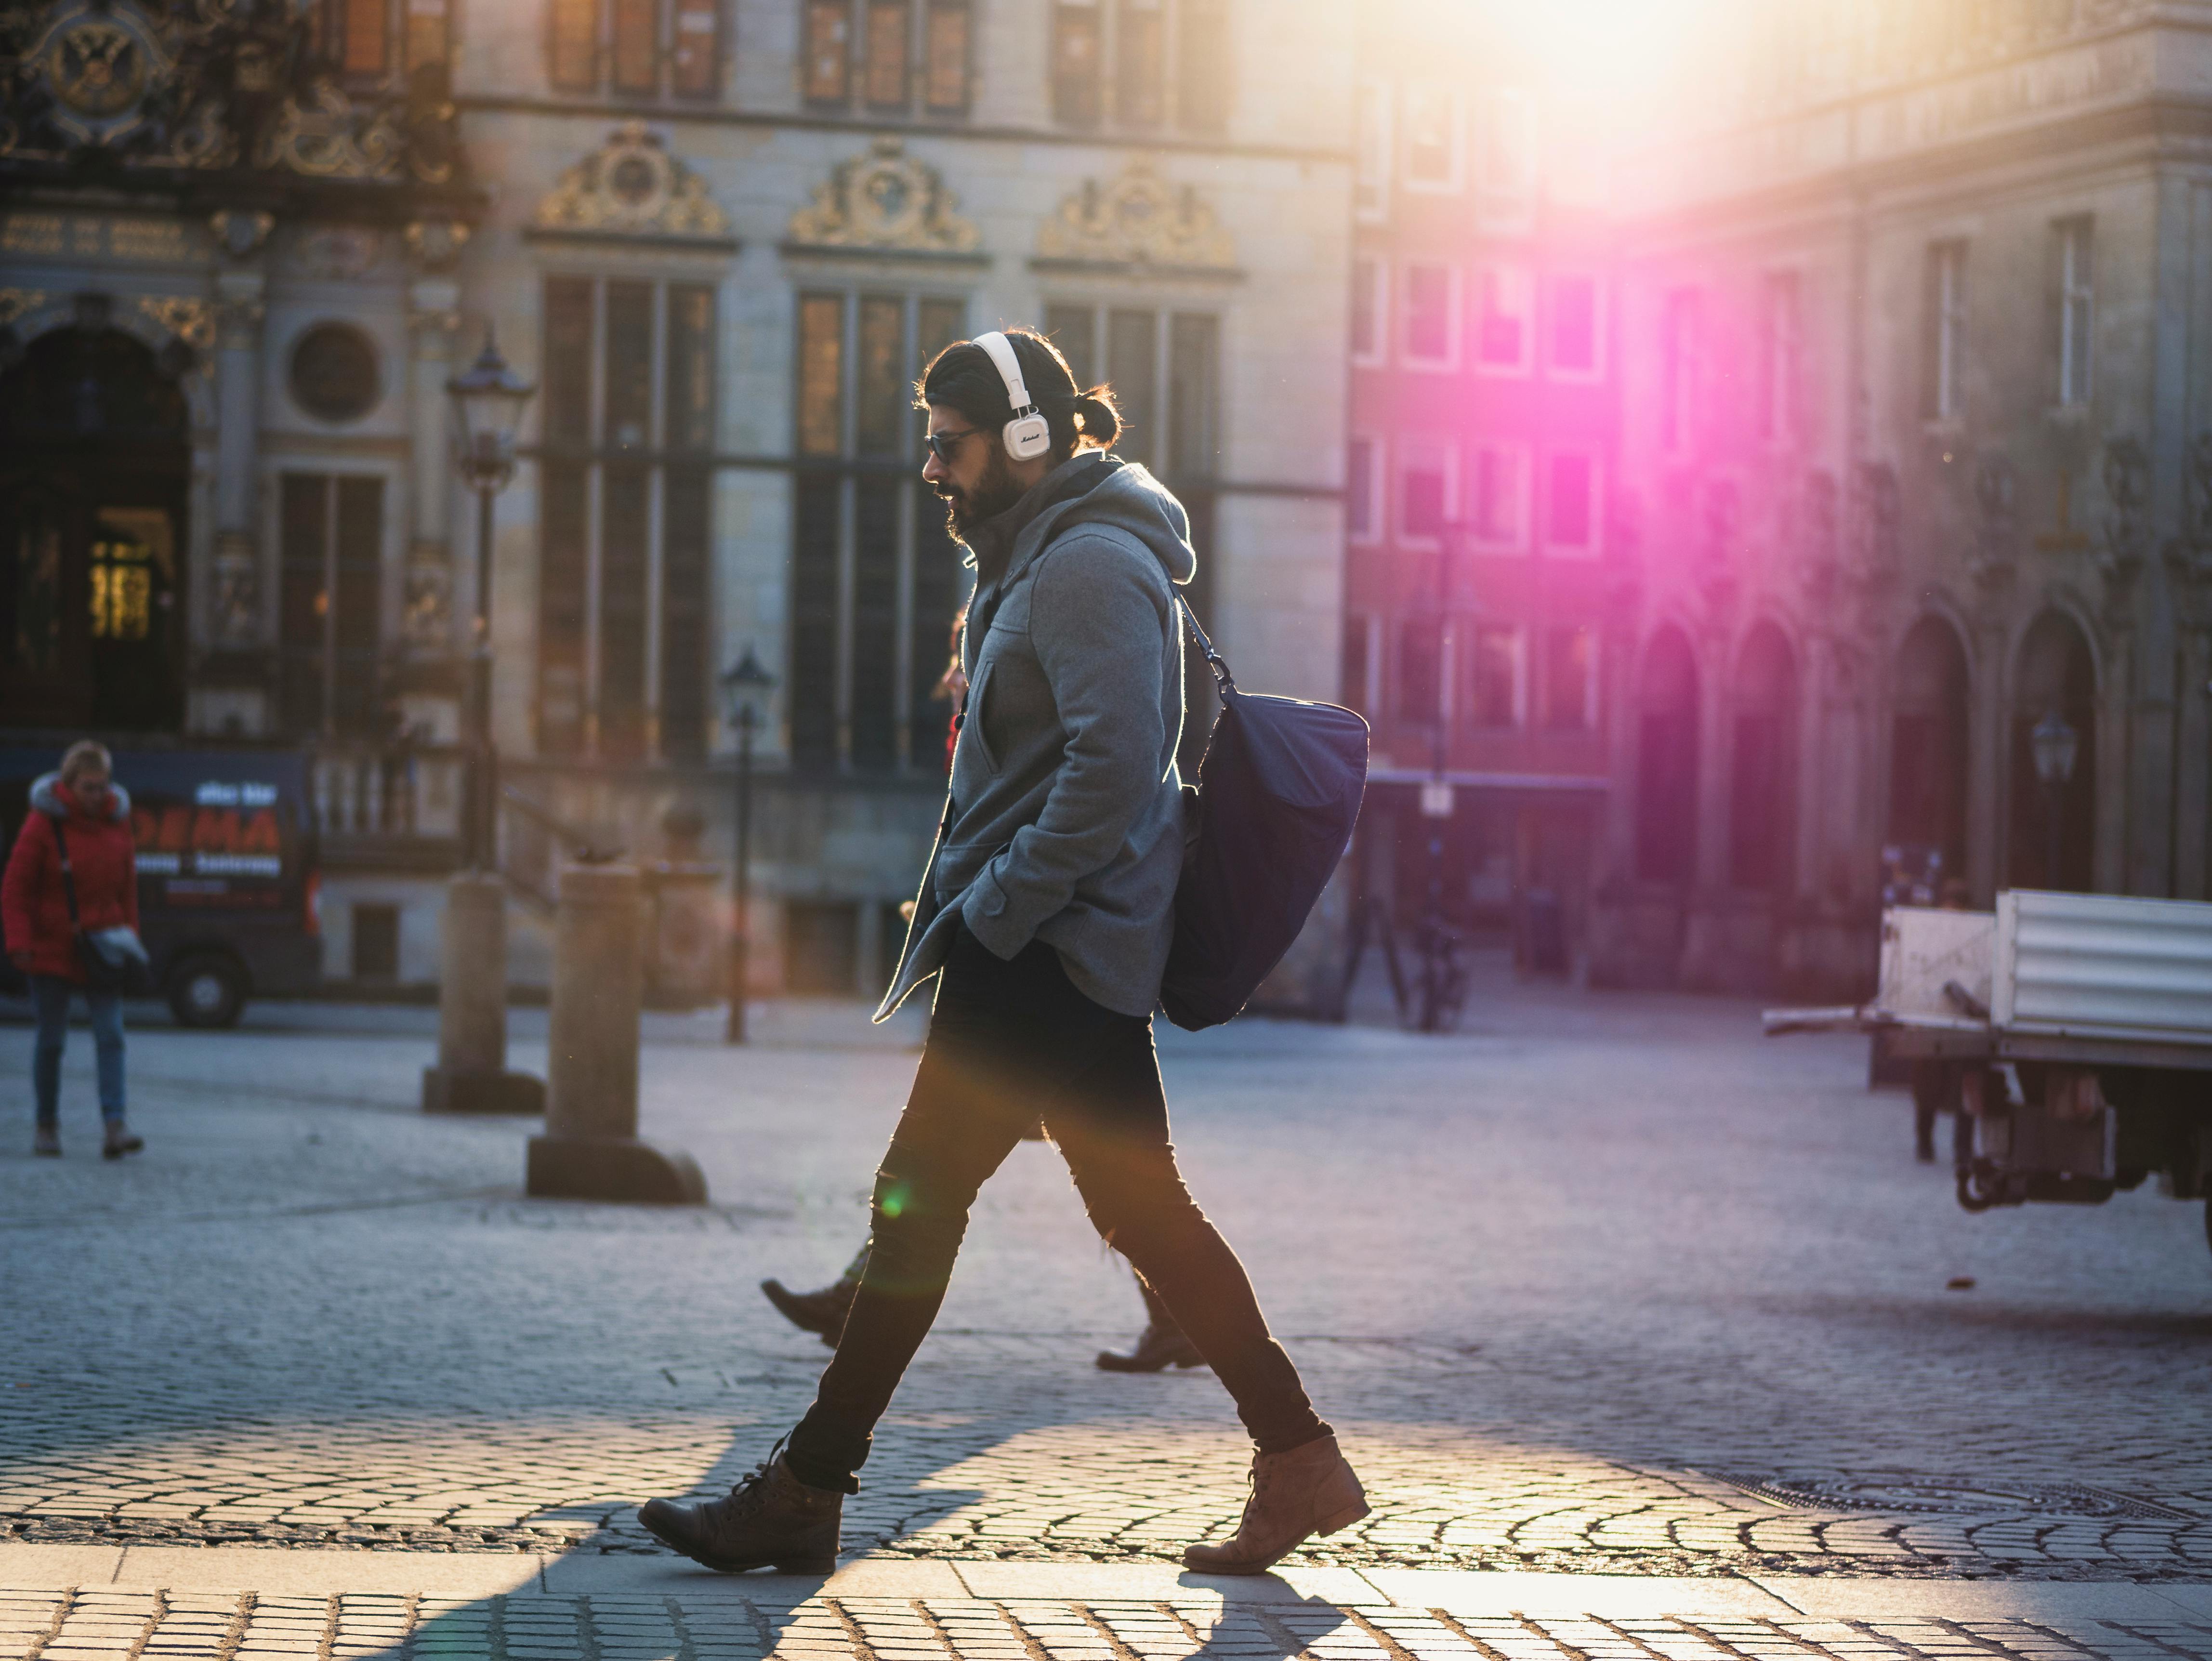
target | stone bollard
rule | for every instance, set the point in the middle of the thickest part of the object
(590, 1149)
(471, 1075)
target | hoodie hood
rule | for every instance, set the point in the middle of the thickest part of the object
(1090, 488)
(46, 797)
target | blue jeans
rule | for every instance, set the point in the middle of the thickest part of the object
(50, 995)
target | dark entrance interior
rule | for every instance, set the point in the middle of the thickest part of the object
(94, 463)
(1667, 762)
(2055, 674)
(1762, 772)
(1928, 758)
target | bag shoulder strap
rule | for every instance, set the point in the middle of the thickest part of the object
(68, 882)
(1214, 660)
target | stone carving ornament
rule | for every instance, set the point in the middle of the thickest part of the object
(1138, 218)
(631, 186)
(884, 199)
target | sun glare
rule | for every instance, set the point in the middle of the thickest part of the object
(1617, 53)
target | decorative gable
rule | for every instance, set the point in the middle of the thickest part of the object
(885, 201)
(632, 190)
(1137, 221)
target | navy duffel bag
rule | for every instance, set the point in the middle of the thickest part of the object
(1278, 794)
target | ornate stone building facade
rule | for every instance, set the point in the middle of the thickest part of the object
(1919, 383)
(722, 236)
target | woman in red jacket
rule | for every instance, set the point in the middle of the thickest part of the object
(83, 805)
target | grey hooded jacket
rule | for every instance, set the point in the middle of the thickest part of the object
(1065, 818)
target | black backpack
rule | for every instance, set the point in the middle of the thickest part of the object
(1278, 794)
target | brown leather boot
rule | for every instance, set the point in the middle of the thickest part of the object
(1308, 1491)
(770, 1517)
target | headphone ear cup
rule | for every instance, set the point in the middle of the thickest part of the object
(1028, 437)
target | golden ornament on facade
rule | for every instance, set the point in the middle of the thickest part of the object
(190, 320)
(631, 186)
(16, 303)
(327, 139)
(884, 199)
(1140, 218)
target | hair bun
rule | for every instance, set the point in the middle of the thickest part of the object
(1101, 421)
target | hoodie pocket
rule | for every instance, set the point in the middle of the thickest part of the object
(972, 723)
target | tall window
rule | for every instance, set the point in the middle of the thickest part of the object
(1505, 158)
(625, 520)
(894, 56)
(1164, 58)
(1505, 322)
(1425, 490)
(368, 40)
(1362, 497)
(1571, 504)
(1570, 679)
(2074, 252)
(1685, 345)
(330, 605)
(1494, 675)
(635, 48)
(1431, 321)
(875, 581)
(1371, 138)
(1781, 353)
(1944, 350)
(1575, 326)
(1501, 491)
(1432, 138)
(1370, 309)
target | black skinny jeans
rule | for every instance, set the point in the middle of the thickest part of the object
(1010, 1043)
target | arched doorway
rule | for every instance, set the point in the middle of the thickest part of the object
(94, 463)
(1763, 766)
(2055, 674)
(1927, 758)
(1667, 761)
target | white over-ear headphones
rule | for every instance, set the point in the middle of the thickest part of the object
(1029, 434)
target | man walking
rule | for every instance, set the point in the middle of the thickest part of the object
(1046, 913)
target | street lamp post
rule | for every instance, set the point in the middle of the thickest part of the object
(746, 686)
(489, 399)
(2055, 745)
(471, 1075)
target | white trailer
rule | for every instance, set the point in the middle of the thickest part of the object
(2073, 1033)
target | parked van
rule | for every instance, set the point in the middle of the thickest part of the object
(228, 888)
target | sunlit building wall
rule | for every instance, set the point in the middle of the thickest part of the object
(1480, 472)
(1915, 370)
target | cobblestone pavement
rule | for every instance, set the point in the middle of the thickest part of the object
(1600, 1284)
(517, 1627)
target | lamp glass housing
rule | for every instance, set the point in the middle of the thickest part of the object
(2056, 745)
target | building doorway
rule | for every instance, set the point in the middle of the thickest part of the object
(93, 465)
(1667, 762)
(1928, 758)
(1762, 767)
(2055, 674)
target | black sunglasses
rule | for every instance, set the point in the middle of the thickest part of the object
(945, 446)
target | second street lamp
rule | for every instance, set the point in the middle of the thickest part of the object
(489, 398)
(2055, 745)
(746, 685)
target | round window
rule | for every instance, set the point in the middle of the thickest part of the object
(334, 372)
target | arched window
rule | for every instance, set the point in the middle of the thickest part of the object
(2054, 823)
(1927, 758)
(1763, 766)
(1667, 762)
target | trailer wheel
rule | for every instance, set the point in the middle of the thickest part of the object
(207, 989)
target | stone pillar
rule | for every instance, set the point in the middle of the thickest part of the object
(471, 1075)
(434, 315)
(590, 1150)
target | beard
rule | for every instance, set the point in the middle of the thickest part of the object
(991, 496)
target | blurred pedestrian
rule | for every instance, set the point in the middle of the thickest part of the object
(74, 872)
(1045, 915)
